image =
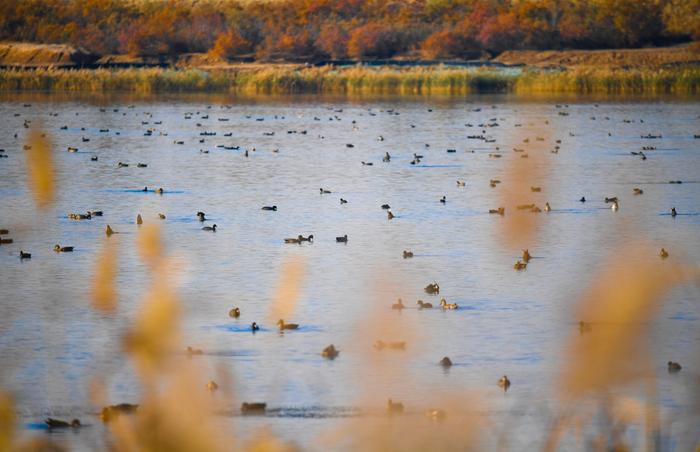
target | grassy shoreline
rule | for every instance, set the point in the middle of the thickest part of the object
(357, 80)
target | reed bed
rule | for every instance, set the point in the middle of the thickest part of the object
(357, 80)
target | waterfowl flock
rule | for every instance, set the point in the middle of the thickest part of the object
(412, 207)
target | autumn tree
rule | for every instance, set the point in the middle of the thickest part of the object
(230, 44)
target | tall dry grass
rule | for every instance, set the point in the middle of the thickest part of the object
(271, 79)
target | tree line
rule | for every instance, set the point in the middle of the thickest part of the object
(339, 29)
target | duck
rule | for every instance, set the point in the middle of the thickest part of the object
(583, 199)
(330, 352)
(62, 249)
(399, 305)
(253, 408)
(519, 265)
(139, 220)
(367, 164)
(4, 231)
(547, 207)
(386, 206)
(443, 199)
(122, 165)
(445, 305)
(234, 313)
(343, 201)
(446, 362)
(615, 206)
(209, 228)
(343, 239)
(407, 254)
(160, 191)
(296, 240)
(387, 157)
(193, 351)
(23, 255)
(108, 230)
(93, 158)
(638, 191)
(287, 326)
(504, 382)
(324, 192)
(254, 327)
(423, 305)
(500, 211)
(461, 183)
(57, 423)
(310, 238)
(526, 256)
(389, 215)
(112, 411)
(161, 216)
(273, 208)
(212, 386)
(535, 189)
(673, 212)
(95, 213)
(394, 407)
(380, 345)
(6, 241)
(674, 367)
(433, 288)
(609, 200)
(141, 165)
(584, 327)
(663, 253)
(145, 189)
(200, 216)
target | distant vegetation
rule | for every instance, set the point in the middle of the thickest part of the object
(337, 29)
(273, 79)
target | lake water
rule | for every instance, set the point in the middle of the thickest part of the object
(53, 344)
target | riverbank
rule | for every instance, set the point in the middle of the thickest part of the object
(286, 79)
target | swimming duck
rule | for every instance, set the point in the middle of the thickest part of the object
(398, 305)
(380, 345)
(519, 265)
(461, 183)
(526, 256)
(343, 239)
(193, 351)
(367, 163)
(583, 199)
(23, 255)
(141, 165)
(63, 249)
(93, 158)
(407, 254)
(310, 238)
(254, 327)
(584, 327)
(324, 192)
(443, 199)
(674, 367)
(145, 189)
(253, 408)
(57, 423)
(95, 213)
(389, 215)
(343, 201)
(663, 253)
(536, 189)
(504, 382)
(4, 231)
(6, 241)
(445, 305)
(161, 216)
(330, 352)
(386, 206)
(394, 407)
(110, 412)
(500, 211)
(160, 191)
(386, 157)
(274, 208)
(609, 200)
(235, 313)
(673, 212)
(296, 240)
(212, 386)
(422, 305)
(287, 326)
(200, 216)
(209, 228)
(547, 208)
(433, 288)
(122, 165)
(638, 191)
(139, 220)
(445, 362)
(108, 230)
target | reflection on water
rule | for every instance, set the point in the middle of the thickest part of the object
(53, 344)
